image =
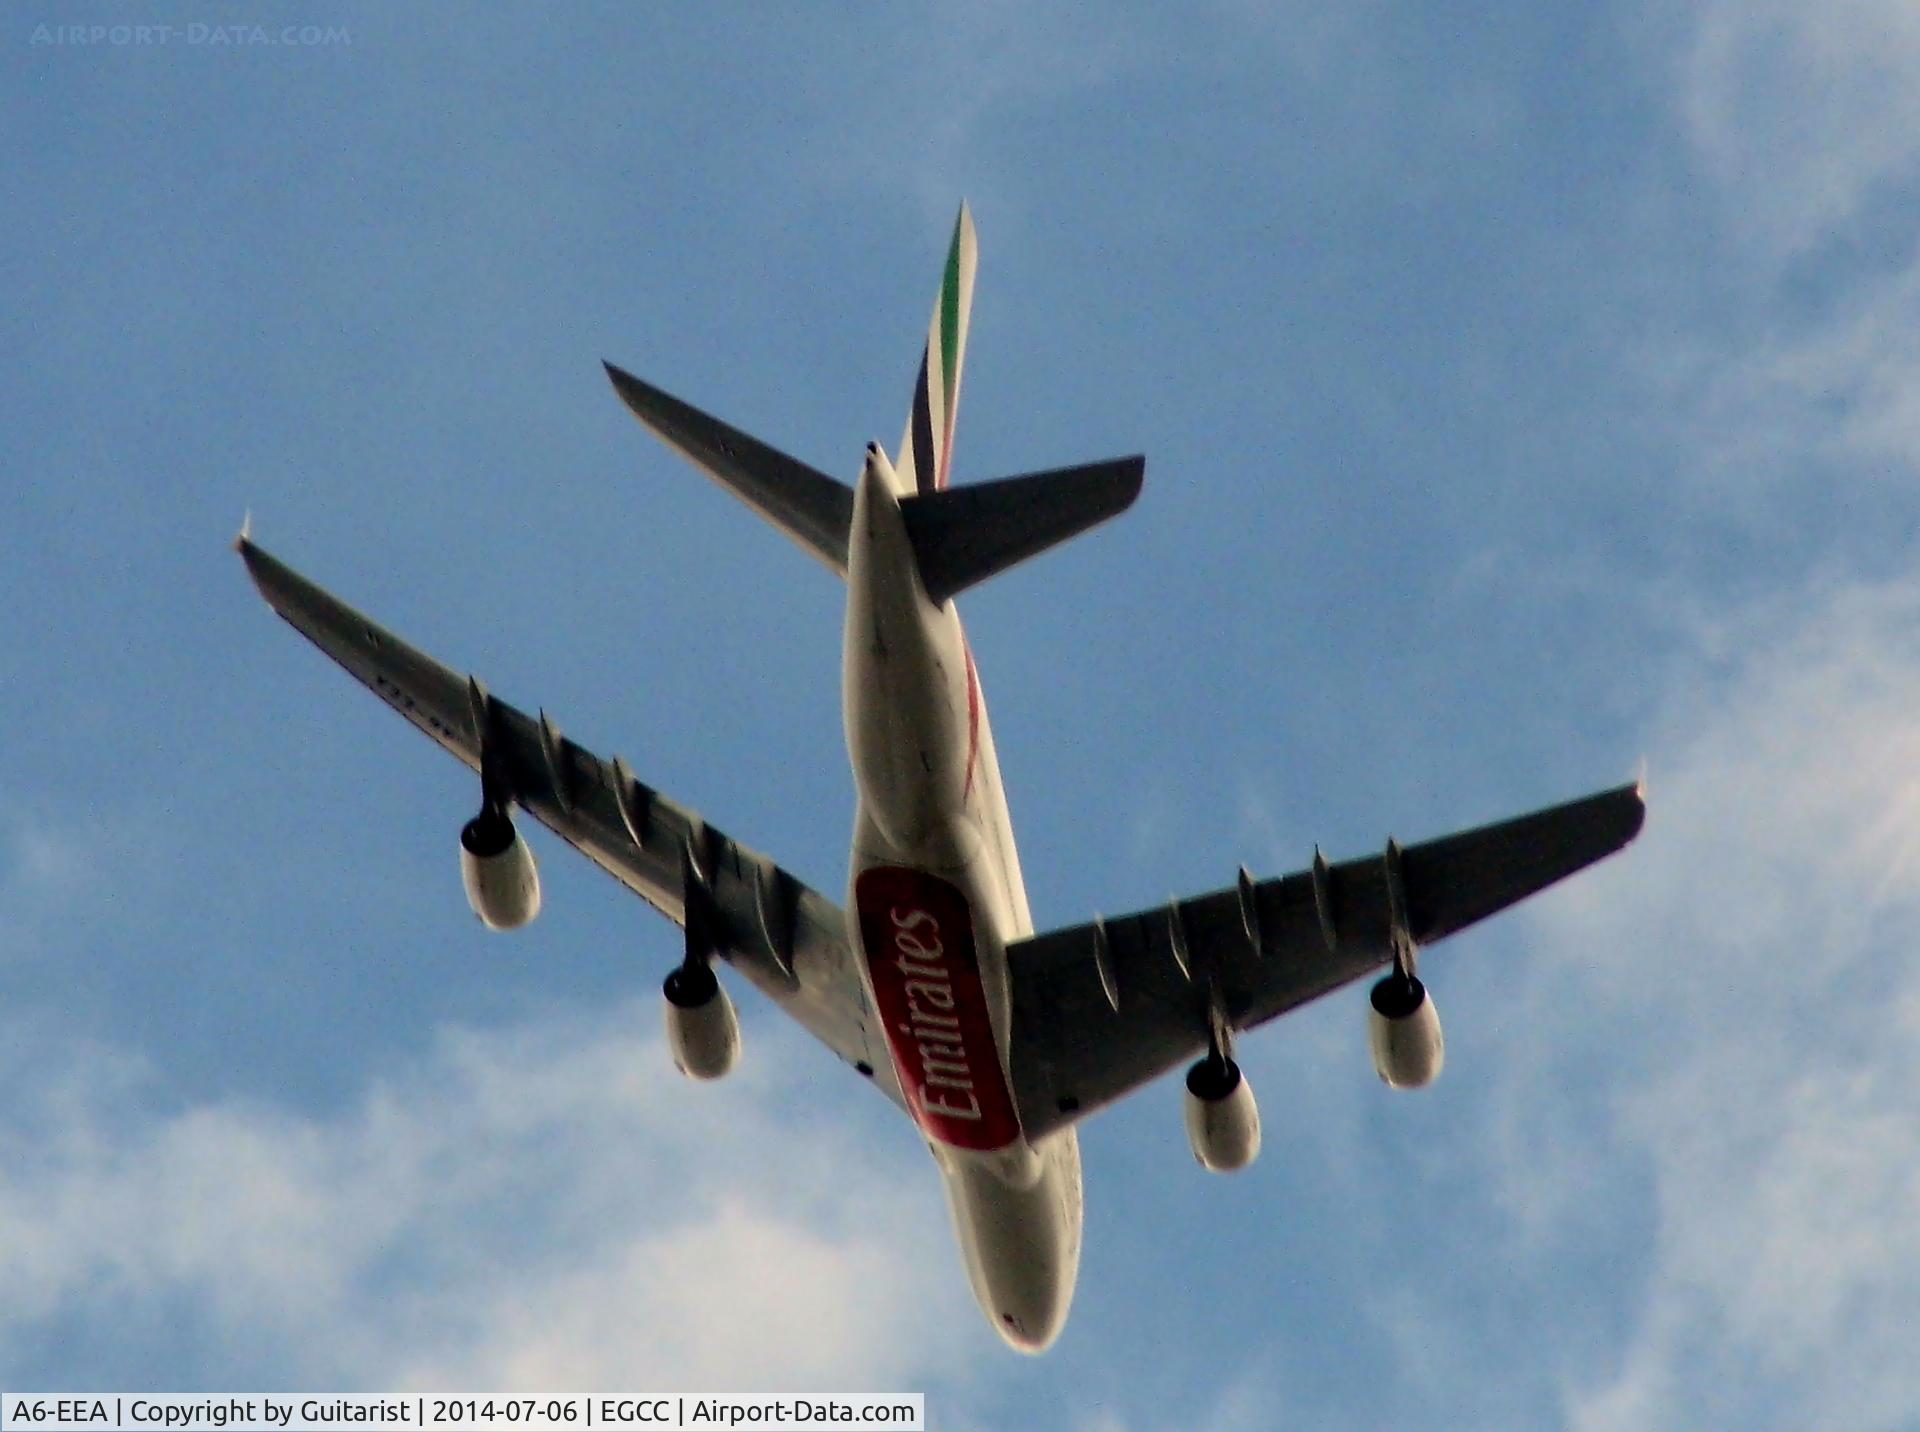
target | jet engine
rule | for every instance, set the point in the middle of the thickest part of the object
(1403, 1032)
(702, 1030)
(1223, 1122)
(496, 866)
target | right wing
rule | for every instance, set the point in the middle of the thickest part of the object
(785, 938)
(1100, 1009)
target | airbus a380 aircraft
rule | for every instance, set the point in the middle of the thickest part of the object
(932, 984)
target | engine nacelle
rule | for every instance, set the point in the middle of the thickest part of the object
(702, 1031)
(497, 867)
(1223, 1122)
(1403, 1033)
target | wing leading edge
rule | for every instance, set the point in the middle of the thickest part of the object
(1102, 1008)
(787, 939)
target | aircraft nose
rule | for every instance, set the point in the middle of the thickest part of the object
(1031, 1335)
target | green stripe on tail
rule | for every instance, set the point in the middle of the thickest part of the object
(926, 450)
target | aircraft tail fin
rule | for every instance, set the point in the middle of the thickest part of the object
(963, 535)
(813, 509)
(960, 536)
(926, 448)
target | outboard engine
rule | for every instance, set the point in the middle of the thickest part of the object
(498, 870)
(1403, 1032)
(1223, 1122)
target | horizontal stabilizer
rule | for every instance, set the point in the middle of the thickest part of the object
(963, 535)
(803, 502)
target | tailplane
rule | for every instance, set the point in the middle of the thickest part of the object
(963, 535)
(803, 502)
(960, 535)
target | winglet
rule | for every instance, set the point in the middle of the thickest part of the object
(244, 538)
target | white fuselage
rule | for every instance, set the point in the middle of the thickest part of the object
(935, 898)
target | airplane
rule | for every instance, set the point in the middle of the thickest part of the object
(995, 1041)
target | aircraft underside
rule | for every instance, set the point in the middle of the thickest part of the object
(930, 982)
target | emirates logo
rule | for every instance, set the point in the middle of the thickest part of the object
(918, 937)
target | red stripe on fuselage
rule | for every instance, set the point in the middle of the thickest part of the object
(973, 717)
(917, 934)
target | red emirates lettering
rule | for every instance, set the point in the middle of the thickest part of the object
(917, 934)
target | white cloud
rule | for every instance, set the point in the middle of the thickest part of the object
(1801, 123)
(1845, 390)
(547, 1207)
(1242, 1401)
(945, 97)
(1732, 1014)
(42, 865)
(1797, 111)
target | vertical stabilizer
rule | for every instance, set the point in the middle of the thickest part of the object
(926, 450)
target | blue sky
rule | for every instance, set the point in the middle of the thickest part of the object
(1524, 395)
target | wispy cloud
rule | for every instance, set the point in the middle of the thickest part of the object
(1245, 1400)
(1749, 982)
(1802, 125)
(39, 858)
(44, 864)
(1798, 113)
(540, 1207)
(1845, 388)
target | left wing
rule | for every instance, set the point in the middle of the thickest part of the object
(787, 939)
(1100, 1009)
